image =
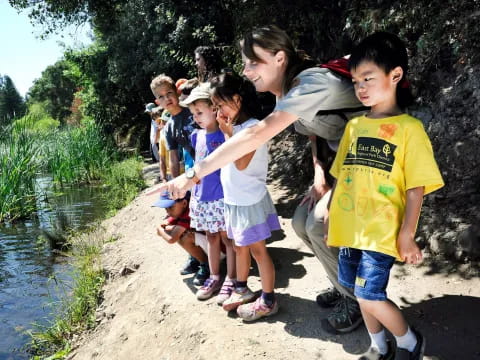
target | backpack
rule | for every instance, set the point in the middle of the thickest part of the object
(338, 66)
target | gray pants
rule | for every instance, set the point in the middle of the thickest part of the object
(309, 227)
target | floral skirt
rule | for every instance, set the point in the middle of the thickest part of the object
(207, 215)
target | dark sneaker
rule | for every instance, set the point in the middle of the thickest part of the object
(190, 267)
(202, 274)
(344, 318)
(328, 298)
(417, 354)
(373, 354)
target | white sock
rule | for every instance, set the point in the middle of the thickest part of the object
(407, 341)
(215, 277)
(379, 342)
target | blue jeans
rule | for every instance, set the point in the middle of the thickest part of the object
(367, 272)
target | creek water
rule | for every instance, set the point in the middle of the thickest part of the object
(33, 275)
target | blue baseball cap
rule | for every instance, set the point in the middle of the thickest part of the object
(165, 201)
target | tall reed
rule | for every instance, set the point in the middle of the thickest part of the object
(76, 155)
(18, 168)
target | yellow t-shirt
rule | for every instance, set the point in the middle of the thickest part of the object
(378, 160)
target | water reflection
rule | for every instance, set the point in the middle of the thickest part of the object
(29, 268)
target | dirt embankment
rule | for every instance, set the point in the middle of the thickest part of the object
(150, 311)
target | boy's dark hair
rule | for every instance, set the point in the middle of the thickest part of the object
(387, 51)
(225, 86)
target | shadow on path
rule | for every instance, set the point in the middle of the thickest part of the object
(450, 324)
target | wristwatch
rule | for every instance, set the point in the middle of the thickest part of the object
(190, 175)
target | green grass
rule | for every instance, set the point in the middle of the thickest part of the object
(77, 154)
(18, 168)
(123, 181)
(35, 145)
(75, 312)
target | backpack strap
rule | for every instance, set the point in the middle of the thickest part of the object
(339, 66)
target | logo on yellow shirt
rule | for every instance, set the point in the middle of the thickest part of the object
(386, 131)
(360, 282)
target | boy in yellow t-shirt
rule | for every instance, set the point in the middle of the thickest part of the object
(383, 168)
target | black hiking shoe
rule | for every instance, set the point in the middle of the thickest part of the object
(344, 318)
(202, 274)
(190, 267)
(417, 354)
(328, 298)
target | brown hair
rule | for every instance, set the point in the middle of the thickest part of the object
(274, 39)
(162, 80)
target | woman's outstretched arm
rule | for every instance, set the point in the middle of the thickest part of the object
(242, 143)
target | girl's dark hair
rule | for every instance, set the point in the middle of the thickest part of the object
(273, 39)
(387, 51)
(225, 86)
(213, 62)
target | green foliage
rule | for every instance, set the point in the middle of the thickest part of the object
(37, 119)
(70, 155)
(76, 310)
(123, 181)
(77, 155)
(55, 89)
(18, 169)
(12, 105)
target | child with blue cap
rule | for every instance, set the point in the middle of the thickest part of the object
(176, 229)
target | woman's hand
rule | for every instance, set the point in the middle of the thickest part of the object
(177, 187)
(313, 195)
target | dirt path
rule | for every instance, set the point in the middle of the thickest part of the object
(150, 311)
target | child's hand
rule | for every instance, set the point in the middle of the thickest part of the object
(408, 249)
(160, 230)
(225, 124)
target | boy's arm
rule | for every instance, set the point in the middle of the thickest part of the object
(157, 135)
(174, 162)
(171, 236)
(406, 245)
